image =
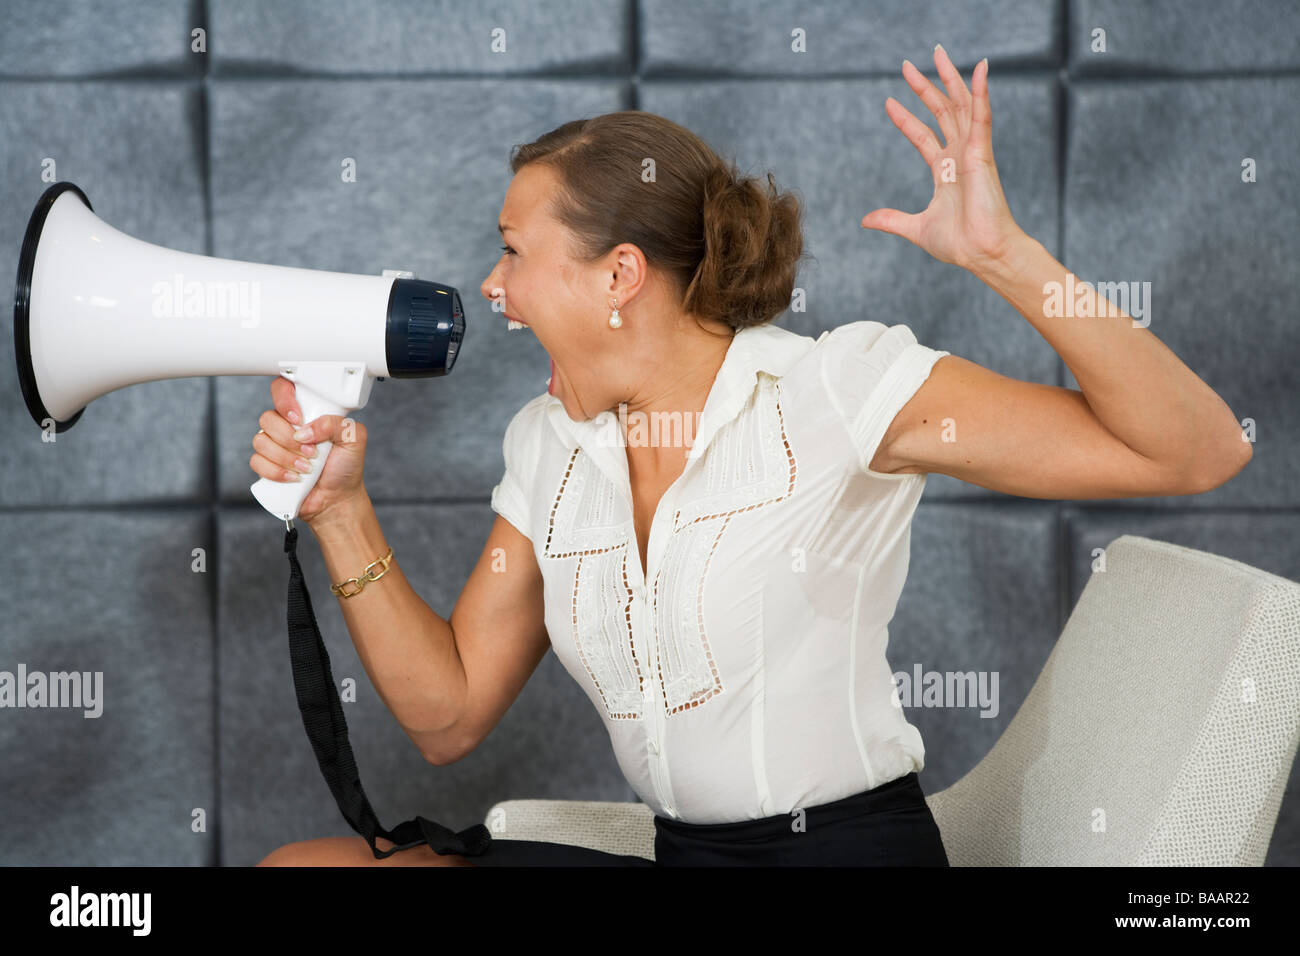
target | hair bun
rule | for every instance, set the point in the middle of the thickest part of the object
(753, 241)
(721, 179)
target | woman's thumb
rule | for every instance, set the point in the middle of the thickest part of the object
(893, 221)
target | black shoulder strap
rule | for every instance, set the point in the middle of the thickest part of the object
(322, 715)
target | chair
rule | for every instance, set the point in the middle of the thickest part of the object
(1160, 732)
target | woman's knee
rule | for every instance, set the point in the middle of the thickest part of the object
(354, 851)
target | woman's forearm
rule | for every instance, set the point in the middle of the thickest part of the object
(1140, 390)
(406, 648)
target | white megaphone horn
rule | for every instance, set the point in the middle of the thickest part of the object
(96, 310)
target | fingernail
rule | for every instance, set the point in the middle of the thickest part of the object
(302, 465)
(302, 434)
(939, 46)
(292, 476)
(309, 451)
(909, 63)
(293, 417)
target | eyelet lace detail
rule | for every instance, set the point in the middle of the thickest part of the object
(583, 525)
(750, 459)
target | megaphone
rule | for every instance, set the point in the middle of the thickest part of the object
(96, 310)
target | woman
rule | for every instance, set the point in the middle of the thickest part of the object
(722, 594)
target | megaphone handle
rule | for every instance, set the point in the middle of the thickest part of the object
(284, 498)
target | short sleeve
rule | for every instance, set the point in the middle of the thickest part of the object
(511, 494)
(871, 371)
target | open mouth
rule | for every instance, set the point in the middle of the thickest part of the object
(512, 324)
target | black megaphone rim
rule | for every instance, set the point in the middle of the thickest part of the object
(22, 306)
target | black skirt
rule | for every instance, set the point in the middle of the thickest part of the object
(888, 826)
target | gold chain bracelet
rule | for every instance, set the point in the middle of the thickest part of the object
(367, 576)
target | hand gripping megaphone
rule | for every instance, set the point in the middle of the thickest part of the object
(96, 310)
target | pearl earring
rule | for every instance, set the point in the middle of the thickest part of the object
(615, 320)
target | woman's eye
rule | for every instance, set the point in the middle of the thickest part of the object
(508, 250)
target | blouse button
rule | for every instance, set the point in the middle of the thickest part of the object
(654, 748)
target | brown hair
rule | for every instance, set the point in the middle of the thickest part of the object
(731, 246)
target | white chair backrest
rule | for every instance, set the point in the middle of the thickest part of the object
(1160, 732)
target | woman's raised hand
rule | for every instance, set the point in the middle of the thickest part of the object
(968, 222)
(277, 450)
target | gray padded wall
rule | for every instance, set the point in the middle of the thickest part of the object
(1124, 164)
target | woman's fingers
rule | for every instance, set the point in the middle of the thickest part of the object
(277, 429)
(273, 462)
(917, 133)
(338, 429)
(938, 104)
(952, 82)
(981, 114)
(278, 447)
(284, 396)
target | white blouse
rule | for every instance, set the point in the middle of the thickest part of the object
(742, 675)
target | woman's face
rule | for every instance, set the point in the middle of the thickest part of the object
(566, 304)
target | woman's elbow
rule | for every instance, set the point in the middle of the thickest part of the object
(1222, 467)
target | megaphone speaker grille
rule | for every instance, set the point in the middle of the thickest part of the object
(22, 306)
(424, 330)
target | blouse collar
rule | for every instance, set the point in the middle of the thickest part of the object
(754, 349)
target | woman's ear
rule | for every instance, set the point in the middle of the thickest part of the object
(629, 275)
